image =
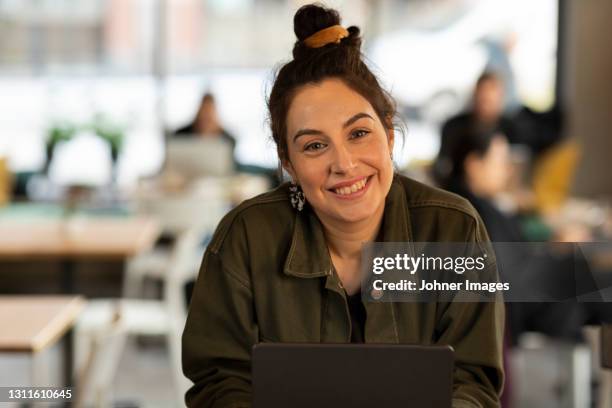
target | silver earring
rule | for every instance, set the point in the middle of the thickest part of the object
(296, 196)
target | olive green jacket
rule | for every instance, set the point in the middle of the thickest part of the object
(267, 276)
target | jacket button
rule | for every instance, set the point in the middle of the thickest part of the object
(376, 294)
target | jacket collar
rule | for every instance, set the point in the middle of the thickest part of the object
(309, 256)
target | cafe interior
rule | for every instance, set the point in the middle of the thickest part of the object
(129, 128)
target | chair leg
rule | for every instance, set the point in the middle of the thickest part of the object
(39, 368)
(605, 389)
(181, 383)
(578, 360)
(132, 284)
(97, 373)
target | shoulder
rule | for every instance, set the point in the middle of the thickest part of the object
(185, 130)
(420, 195)
(434, 206)
(457, 120)
(228, 136)
(267, 213)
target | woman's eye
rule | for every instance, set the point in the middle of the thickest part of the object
(359, 133)
(314, 146)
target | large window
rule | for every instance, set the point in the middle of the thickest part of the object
(432, 52)
(144, 65)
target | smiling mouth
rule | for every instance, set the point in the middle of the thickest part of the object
(353, 188)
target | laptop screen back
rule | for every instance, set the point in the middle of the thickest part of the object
(351, 375)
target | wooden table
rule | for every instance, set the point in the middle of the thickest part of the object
(32, 324)
(74, 239)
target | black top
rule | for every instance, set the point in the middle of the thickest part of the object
(536, 130)
(358, 317)
(500, 226)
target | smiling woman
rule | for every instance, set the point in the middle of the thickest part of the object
(285, 266)
(339, 153)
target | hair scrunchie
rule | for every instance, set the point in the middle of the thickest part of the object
(326, 36)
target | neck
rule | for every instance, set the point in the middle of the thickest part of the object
(207, 127)
(345, 239)
(487, 118)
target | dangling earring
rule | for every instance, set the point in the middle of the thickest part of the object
(296, 196)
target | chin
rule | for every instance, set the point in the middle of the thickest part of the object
(357, 214)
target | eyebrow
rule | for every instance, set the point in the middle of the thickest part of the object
(346, 124)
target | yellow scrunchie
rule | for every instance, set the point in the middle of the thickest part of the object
(326, 36)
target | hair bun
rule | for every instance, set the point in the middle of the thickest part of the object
(312, 18)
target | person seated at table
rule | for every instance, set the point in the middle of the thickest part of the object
(285, 266)
(206, 122)
(479, 171)
(534, 130)
(199, 149)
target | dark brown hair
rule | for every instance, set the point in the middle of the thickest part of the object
(341, 60)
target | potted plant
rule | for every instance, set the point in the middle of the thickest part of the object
(64, 131)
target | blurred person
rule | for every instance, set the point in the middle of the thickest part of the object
(487, 109)
(479, 169)
(206, 122)
(536, 131)
(279, 260)
(478, 160)
(187, 159)
(499, 48)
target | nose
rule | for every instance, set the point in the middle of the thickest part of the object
(343, 161)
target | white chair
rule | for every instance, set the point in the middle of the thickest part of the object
(102, 328)
(102, 351)
(573, 365)
(194, 210)
(602, 375)
(605, 389)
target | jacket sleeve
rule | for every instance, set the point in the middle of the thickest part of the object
(473, 330)
(218, 336)
(476, 331)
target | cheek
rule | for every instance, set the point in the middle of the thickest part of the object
(379, 155)
(311, 172)
(497, 173)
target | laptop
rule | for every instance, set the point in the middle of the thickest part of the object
(195, 157)
(351, 375)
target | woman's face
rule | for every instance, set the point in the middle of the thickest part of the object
(339, 151)
(489, 174)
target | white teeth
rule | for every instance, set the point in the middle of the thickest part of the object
(351, 189)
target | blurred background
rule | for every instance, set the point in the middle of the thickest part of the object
(128, 128)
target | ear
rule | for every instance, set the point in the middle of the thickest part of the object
(289, 169)
(388, 125)
(391, 138)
